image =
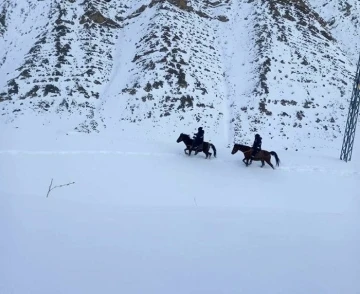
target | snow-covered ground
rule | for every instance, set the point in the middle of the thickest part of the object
(142, 217)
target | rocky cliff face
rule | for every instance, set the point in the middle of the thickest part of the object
(277, 67)
(303, 77)
(343, 20)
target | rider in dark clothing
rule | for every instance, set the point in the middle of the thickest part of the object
(198, 138)
(257, 145)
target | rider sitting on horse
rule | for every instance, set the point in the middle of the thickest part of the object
(256, 145)
(198, 138)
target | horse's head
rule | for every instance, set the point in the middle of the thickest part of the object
(182, 137)
(235, 149)
(242, 148)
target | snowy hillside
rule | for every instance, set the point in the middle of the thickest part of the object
(58, 60)
(343, 19)
(302, 78)
(166, 66)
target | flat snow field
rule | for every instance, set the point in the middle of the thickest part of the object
(142, 217)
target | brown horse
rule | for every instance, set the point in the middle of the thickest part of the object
(263, 155)
(188, 143)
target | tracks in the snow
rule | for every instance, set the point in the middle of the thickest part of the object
(286, 168)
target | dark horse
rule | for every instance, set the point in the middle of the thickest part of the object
(188, 143)
(262, 155)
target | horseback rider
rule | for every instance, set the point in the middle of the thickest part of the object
(256, 145)
(198, 138)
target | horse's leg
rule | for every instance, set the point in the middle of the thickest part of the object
(205, 149)
(246, 160)
(197, 150)
(268, 161)
(262, 162)
(248, 157)
(252, 158)
(208, 154)
(208, 150)
(185, 151)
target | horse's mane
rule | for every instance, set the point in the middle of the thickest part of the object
(185, 135)
(242, 146)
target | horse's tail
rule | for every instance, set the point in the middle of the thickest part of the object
(213, 148)
(276, 157)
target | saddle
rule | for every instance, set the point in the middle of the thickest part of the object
(255, 153)
(200, 146)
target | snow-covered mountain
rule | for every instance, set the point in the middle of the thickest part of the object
(343, 19)
(281, 68)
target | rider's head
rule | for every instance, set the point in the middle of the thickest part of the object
(257, 136)
(200, 129)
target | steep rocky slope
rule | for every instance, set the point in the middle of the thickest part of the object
(282, 68)
(343, 19)
(302, 77)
